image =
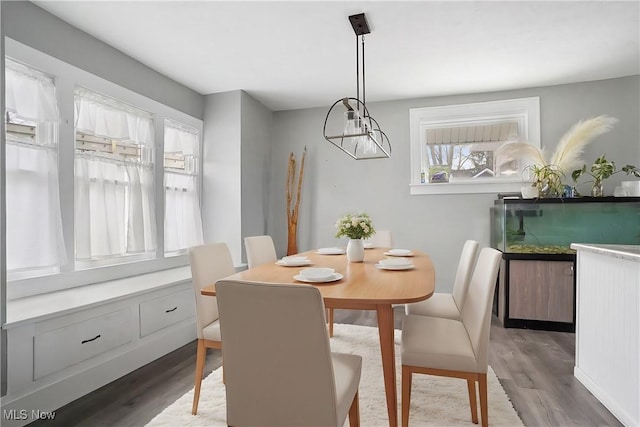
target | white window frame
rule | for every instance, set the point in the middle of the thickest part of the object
(67, 77)
(526, 111)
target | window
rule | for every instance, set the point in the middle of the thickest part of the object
(86, 181)
(452, 147)
(182, 220)
(35, 244)
(114, 203)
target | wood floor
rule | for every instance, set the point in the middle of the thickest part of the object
(534, 367)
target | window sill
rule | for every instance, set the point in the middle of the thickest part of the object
(466, 188)
(33, 286)
(44, 306)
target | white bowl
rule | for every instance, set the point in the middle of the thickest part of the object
(631, 188)
(319, 273)
(394, 261)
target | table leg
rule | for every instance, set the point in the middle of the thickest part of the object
(387, 348)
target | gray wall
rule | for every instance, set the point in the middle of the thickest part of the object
(37, 28)
(438, 224)
(222, 183)
(255, 163)
(237, 138)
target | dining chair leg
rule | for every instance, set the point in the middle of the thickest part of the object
(354, 412)
(471, 385)
(484, 408)
(330, 320)
(201, 354)
(406, 395)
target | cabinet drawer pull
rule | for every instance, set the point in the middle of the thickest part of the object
(89, 340)
(173, 309)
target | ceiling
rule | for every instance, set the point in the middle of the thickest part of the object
(300, 54)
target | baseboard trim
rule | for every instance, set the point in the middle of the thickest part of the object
(604, 398)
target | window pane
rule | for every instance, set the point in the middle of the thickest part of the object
(466, 152)
(114, 203)
(35, 244)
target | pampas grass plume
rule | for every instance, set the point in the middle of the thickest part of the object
(568, 151)
(571, 146)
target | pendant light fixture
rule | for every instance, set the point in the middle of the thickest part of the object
(348, 124)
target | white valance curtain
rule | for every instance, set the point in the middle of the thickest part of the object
(102, 116)
(179, 138)
(34, 225)
(114, 204)
(29, 94)
(182, 217)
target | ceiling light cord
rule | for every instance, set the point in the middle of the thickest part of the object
(364, 95)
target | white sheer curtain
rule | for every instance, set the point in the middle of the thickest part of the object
(182, 217)
(114, 204)
(34, 226)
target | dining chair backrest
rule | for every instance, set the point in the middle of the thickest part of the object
(476, 311)
(209, 263)
(277, 358)
(260, 250)
(464, 272)
(382, 239)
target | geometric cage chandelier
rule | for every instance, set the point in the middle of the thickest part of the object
(348, 124)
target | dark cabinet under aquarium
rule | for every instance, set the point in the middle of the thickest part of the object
(536, 288)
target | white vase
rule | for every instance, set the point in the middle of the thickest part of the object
(355, 250)
(529, 192)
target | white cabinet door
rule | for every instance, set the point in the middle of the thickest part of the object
(68, 345)
(159, 313)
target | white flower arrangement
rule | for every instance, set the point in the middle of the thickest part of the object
(355, 226)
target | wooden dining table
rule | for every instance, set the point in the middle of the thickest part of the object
(363, 287)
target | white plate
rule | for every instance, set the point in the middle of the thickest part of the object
(336, 276)
(317, 274)
(395, 267)
(293, 263)
(331, 251)
(368, 245)
(294, 258)
(399, 252)
(394, 261)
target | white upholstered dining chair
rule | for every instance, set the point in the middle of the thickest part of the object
(279, 368)
(449, 305)
(260, 250)
(382, 239)
(209, 263)
(454, 348)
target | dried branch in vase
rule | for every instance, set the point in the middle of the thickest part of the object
(293, 205)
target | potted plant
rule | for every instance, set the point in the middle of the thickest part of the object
(356, 227)
(600, 170)
(547, 179)
(548, 174)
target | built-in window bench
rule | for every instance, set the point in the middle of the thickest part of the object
(63, 345)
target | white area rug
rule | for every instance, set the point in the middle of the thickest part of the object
(435, 401)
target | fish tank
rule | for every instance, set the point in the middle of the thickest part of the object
(549, 226)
